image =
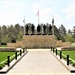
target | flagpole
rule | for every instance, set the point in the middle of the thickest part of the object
(53, 25)
(24, 25)
(38, 16)
(53, 31)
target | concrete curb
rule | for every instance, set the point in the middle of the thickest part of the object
(70, 68)
(9, 68)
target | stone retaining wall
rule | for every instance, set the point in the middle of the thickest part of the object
(35, 41)
(39, 41)
(7, 49)
(62, 44)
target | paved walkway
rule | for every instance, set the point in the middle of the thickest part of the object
(38, 62)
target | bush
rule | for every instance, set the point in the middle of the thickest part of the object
(1, 66)
(13, 41)
(12, 58)
(64, 57)
(73, 64)
(3, 43)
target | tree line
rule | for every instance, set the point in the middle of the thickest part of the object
(15, 32)
(10, 33)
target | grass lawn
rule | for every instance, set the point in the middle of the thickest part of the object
(3, 45)
(3, 55)
(70, 53)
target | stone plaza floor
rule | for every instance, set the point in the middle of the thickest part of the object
(39, 62)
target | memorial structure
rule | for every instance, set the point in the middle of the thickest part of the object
(40, 30)
(44, 30)
(41, 37)
(33, 29)
(26, 28)
(50, 30)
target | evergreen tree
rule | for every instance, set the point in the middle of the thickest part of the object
(62, 33)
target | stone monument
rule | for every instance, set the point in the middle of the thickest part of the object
(44, 30)
(32, 29)
(38, 30)
(37, 40)
(50, 30)
(26, 28)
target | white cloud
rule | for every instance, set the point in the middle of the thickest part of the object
(58, 19)
(10, 12)
(35, 7)
(51, 2)
(46, 15)
(70, 10)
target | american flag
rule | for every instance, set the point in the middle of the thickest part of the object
(37, 13)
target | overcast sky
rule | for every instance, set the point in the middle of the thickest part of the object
(13, 12)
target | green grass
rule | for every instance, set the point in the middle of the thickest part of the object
(3, 55)
(3, 58)
(3, 46)
(65, 53)
(70, 53)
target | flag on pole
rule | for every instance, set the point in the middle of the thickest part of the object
(38, 16)
(24, 24)
(53, 20)
(24, 20)
(37, 13)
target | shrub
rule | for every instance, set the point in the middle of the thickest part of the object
(64, 57)
(73, 64)
(12, 58)
(1, 66)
